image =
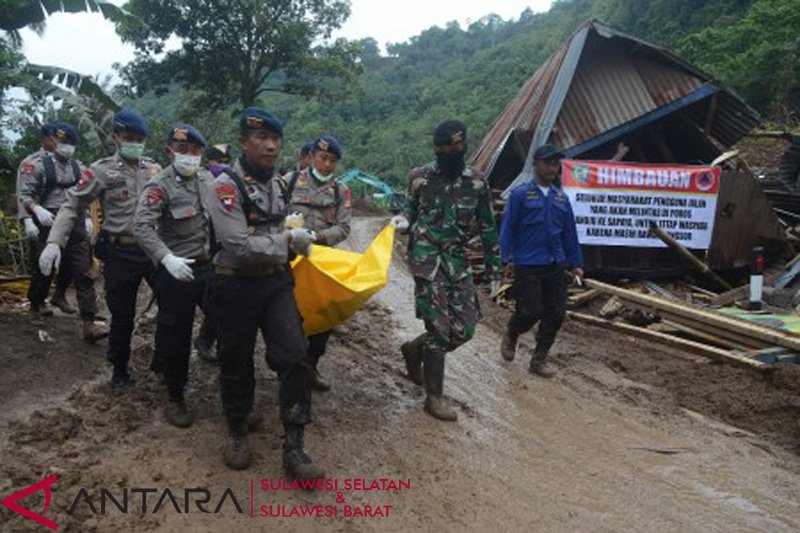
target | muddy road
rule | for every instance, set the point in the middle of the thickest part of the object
(606, 445)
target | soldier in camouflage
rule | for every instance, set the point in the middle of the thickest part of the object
(447, 202)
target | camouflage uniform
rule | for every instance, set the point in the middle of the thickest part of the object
(443, 214)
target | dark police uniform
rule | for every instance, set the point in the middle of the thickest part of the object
(171, 219)
(538, 235)
(253, 290)
(118, 186)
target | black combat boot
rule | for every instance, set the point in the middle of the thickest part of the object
(205, 350)
(539, 365)
(508, 348)
(237, 451)
(318, 383)
(60, 301)
(435, 404)
(92, 332)
(412, 353)
(176, 413)
(121, 380)
(296, 462)
(254, 421)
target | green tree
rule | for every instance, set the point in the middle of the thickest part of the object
(240, 49)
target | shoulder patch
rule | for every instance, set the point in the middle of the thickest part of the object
(27, 167)
(348, 197)
(86, 177)
(155, 197)
(226, 192)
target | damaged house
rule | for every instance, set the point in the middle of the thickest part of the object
(607, 95)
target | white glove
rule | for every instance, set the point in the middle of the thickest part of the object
(294, 220)
(89, 225)
(178, 267)
(300, 241)
(50, 257)
(494, 287)
(44, 216)
(31, 231)
(400, 222)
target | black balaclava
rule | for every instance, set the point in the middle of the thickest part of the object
(448, 133)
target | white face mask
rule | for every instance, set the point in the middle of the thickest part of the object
(185, 164)
(321, 177)
(65, 150)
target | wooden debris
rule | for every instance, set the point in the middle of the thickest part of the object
(710, 352)
(688, 256)
(582, 298)
(611, 308)
(719, 321)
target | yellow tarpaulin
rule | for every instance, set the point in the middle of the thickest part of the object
(331, 284)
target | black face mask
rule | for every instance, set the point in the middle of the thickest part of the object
(451, 164)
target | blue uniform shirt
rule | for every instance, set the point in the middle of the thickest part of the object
(539, 229)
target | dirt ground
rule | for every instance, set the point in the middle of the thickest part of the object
(607, 445)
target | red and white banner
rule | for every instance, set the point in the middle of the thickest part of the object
(615, 202)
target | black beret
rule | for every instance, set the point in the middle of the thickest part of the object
(329, 144)
(547, 151)
(130, 121)
(46, 130)
(65, 132)
(255, 118)
(450, 132)
(182, 132)
(307, 148)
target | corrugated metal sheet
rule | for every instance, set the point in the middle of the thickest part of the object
(618, 80)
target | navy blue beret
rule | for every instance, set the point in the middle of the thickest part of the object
(130, 121)
(307, 148)
(46, 130)
(547, 151)
(255, 118)
(329, 144)
(182, 132)
(63, 131)
(450, 132)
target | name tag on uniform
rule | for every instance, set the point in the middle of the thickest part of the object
(531, 195)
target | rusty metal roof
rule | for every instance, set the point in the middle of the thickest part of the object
(602, 83)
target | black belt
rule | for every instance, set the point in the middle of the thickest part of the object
(256, 270)
(125, 239)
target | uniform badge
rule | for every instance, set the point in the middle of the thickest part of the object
(86, 178)
(255, 122)
(531, 195)
(323, 145)
(227, 195)
(348, 198)
(154, 197)
(180, 134)
(27, 167)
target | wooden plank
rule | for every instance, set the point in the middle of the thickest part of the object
(748, 343)
(706, 337)
(710, 352)
(730, 324)
(727, 298)
(582, 298)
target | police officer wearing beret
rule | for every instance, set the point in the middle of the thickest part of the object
(326, 207)
(30, 226)
(43, 190)
(171, 226)
(539, 237)
(252, 290)
(447, 202)
(117, 181)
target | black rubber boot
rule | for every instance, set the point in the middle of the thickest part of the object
(412, 353)
(508, 348)
(237, 451)
(435, 404)
(121, 380)
(296, 462)
(318, 383)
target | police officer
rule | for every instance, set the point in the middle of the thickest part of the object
(30, 225)
(306, 155)
(117, 181)
(171, 227)
(446, 199)
(538, 236)
(43, 190)
(253, 290)
(327, 208)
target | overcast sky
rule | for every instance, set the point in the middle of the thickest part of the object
(87, 43)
